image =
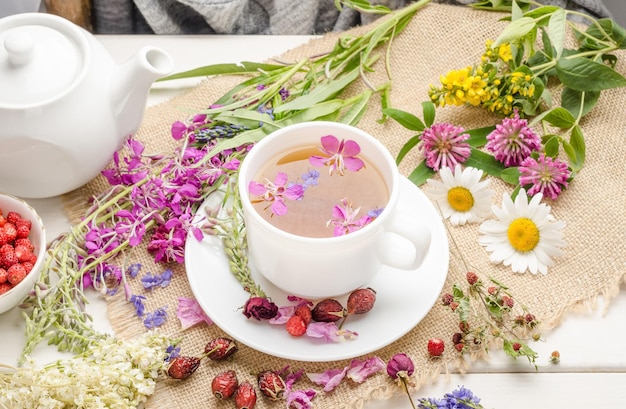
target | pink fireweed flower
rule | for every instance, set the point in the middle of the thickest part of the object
(329, 332)
(444, 145)
(340, 155)
(512, 141)
(276, 192)
(345, 219)
(546, 175)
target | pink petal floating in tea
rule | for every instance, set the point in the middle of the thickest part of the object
(294, 192)
(279, 208)
(353, 164)
(257, 189)
(330, 144)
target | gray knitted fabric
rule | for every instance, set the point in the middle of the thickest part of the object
(285, 17)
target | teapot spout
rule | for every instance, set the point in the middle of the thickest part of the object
(131, 86)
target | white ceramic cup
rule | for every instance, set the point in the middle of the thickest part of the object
(316, 268)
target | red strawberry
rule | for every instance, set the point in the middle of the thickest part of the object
(295, 326)
(4, 276)
(182, 367)
(12, 217)
(16, 274)
(22, 253)
(5, 287)
(8, 258)
(435, 346)
(25, 241)
(10, 231)
(245, 396)
(22, 231)
(3, 220)
(220, 348)
(271, 385)
(224, 384)
(4, 238)
(28, 266)
(304, 312)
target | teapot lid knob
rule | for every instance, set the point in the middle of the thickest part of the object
(20, 47)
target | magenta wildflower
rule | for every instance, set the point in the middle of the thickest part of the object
(345, 219)
(328, 379)
(340, 155)
(276, 192)
(444, 145)
(546, 175)
(329, 332)
(513, 141)
(360, 370)
(190, 313)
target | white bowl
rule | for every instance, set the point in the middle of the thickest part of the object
(37, 236)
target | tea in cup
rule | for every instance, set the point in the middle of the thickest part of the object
(320, 209)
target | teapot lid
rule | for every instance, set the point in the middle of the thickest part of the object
(42, 57)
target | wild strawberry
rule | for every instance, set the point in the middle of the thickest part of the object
(295, 326)
(220, 348)
(471, 277)
(8, 258)
(224, 384)
(327, 310)
(555, 357)
(435, 347)
(12, 217)
(361, 301)
(23, 222)
(3, 220)
(271, 385)
(304, 312)
(4, 276)
(460, 346)
(457, 337)
(516, 346)
(507, 301)
(25, 241)
(10, 231)
(22, 253)
(28, 266)
(5, 287)
(464, 326)
(22, 231)
(182, 367)
(15, 274)
(4, 238)
(447, 298)
(245, 396)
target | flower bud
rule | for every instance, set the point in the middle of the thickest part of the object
(399, 366)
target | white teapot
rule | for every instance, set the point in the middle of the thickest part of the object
(65, 105)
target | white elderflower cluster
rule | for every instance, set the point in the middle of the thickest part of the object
(113, 374)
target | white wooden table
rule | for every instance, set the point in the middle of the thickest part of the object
(592, 372)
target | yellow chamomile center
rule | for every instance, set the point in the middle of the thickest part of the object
(523, 234)
(460, 199)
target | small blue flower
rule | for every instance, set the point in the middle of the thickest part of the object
(375, 212)
(156, 318)
(150, 281)
(137, 301)
(172, 352)
(133, 269)
(310, 178)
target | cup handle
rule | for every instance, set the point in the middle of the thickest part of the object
(402, 234)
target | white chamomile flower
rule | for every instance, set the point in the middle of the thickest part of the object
(462, 196)
(525, 236)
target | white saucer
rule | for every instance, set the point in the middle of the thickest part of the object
(403, 298)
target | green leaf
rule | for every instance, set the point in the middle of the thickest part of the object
(583, 74)
(406, 148)
(575, 149)
(406, 119)
(428, 112)
(320, 93)
(510, 175)
(478, 136)
(357, 109)
(223, 69)
(421, 174)
(560, 117)
(551, 147)
(579, 103)
(557, 28)
(244, 117)
(481, 160)
(600, 30)
(541, 11)
(516, 30)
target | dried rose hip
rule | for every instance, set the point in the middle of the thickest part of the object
(182, 367)
(220, 348)
(271, 385)
(328, 310)
(224, 384)
(361, 301)
(245, 396)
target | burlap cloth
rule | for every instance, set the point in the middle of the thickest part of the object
(439, 38)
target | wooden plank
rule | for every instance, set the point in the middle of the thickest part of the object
(77, 11)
